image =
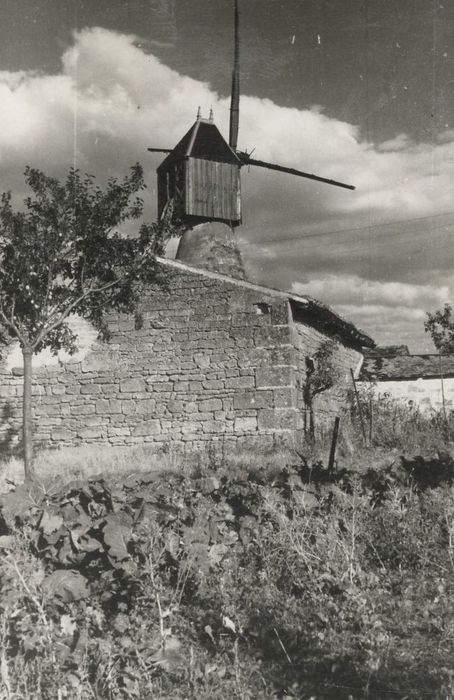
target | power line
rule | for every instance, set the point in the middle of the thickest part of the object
(363, 228)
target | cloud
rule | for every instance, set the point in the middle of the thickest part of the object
(390, 326)
(391, 312)
(351, 289)
(111, 100)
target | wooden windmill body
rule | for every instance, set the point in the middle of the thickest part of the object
(201, 176)
(199, 180)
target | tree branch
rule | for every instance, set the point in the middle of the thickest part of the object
(10, 324)
(64, 315)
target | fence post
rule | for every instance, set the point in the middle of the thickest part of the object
(360, 410)
(332, 452)
(371, 420)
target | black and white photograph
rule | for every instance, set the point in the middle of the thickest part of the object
(226, 349)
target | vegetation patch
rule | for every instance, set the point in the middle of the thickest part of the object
(269, 583)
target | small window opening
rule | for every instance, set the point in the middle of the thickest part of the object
(262, 309)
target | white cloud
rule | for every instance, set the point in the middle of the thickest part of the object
(353, 290)
(391, 312)
(111, 100)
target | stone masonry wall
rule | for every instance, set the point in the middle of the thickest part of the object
(211, 360)
(331, 403)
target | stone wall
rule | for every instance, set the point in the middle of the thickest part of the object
(210, 359)
(426, 394)
(331, 403)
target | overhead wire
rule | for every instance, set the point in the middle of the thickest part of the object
(318, 234)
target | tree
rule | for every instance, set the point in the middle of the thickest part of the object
(62, 254)
(440, 325)
(321, 375)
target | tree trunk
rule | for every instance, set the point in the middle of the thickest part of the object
(27, 354)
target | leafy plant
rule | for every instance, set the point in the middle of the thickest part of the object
(63, 254)
(440, 326)
(254, 583)
(321, 375)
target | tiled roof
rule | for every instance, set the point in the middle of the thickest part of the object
(400, 367)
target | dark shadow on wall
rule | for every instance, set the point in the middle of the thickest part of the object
(10, 436)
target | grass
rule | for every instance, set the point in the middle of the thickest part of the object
(87, 461)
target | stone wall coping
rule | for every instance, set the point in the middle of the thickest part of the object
(304, 303)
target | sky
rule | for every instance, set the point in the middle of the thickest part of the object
(360, 90)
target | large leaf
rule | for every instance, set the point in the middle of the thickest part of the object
(116, 537)
(68, 585)
(168, 656)
(50, 522)
(15, 506)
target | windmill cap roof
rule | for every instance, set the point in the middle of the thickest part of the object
(203, 140)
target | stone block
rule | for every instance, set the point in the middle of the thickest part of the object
(202, 360)
(108, 406)
(89, 433)
(50, 410)
(94, 420)
(83, 410)
(182, 387)
(148, 427)
(190, 427)
(118, 432)
(132, 385)
(214, 426)
(191, 407)
(212, 384)
(109, 388)
(285, 398)
(90, 389)
(7, 392)
(240, 383)
(210, 405)
(58, 389)
(277, 419)
(175, 407)
(280, 313)
(269, 336)
(253, 399)
(49, 420)
(145, 406)
(128, 407)
(246, 425)
(274, 377)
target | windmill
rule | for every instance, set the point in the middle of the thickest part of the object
(199, 180)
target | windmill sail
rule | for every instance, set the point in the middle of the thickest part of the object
(235, 98)
(245, 160)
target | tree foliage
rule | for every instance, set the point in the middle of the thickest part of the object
(440, 325)
(64, 253)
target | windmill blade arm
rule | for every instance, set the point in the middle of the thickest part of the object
(245, 160)
(160, 150)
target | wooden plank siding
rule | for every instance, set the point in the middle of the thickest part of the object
(213, 190)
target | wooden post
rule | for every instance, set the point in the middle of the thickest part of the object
(443, 401)
(332, 452)
(360, 410)
(371, 419)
